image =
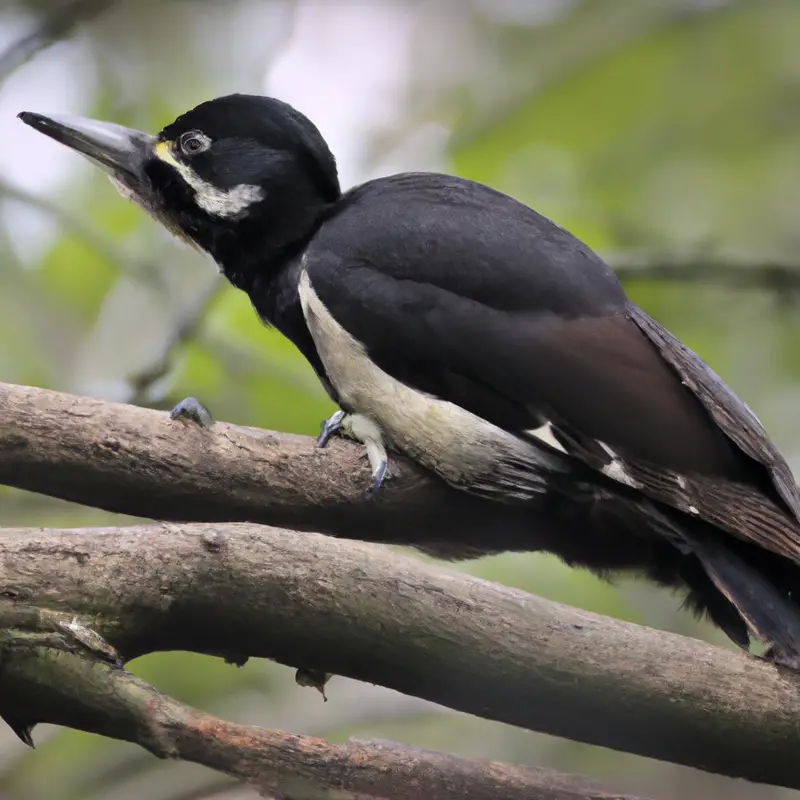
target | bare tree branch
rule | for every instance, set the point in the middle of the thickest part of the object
(70, 689)
(348, 608)
(60, 20)
(136, 461)
(355, 609)
(708, 268)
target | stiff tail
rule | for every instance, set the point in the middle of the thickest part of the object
(771, 614)
(743, 588)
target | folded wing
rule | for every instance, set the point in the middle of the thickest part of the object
(616, 391)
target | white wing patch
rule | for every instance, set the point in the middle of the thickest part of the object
(226, 203)
(615, 469)
(617, 472)
(545, 434)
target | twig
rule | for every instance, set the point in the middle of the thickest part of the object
(714, 269)
(55, 25)
(315, 717)
(93, 236)
(354, 609)
(184, 328)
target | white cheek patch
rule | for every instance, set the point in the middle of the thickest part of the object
(230, 203)
(226, 203)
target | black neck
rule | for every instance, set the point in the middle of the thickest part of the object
(264, 260)
(255, 252)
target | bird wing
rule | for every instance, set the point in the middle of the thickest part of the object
(617, 392)
(733, 416)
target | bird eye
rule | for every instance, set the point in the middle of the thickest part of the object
(194, 142)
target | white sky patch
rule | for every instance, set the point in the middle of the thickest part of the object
(56, 81)
(346, 68)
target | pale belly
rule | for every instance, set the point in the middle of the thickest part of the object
(466, 451)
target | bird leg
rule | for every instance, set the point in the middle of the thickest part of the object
(361, 429)
(192, 409)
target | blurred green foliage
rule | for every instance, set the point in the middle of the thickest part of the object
(666, 127)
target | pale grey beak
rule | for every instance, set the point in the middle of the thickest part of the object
(120, 151)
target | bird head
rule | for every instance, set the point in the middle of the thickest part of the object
(235, 170)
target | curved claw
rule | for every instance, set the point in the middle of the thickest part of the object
(364, 430)
(192, 409)
(330, 428)
(379, 474)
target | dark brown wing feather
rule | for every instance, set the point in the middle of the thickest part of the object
(728, 411)
(683, 438)
(738, 508)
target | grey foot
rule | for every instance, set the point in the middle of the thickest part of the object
(361, 429)
(192, 409)
(379, 474)
(330, 428)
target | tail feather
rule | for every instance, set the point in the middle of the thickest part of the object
(758, 586)
(771, 615)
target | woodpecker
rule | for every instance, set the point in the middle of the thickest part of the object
(454, 324)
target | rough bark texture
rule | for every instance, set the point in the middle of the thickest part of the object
(326, 604)
(74, 691)
(137, 461)
(360, 610)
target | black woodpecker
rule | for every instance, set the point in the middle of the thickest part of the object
(456, 325)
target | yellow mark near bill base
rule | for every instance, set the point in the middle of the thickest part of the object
(226, 203)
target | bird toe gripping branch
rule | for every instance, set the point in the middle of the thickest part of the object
(363, 430)
(193, 410)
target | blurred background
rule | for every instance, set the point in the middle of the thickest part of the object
(665, 133)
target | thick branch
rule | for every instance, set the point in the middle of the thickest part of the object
(136, 461)
(73, 691)
(354, 609)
